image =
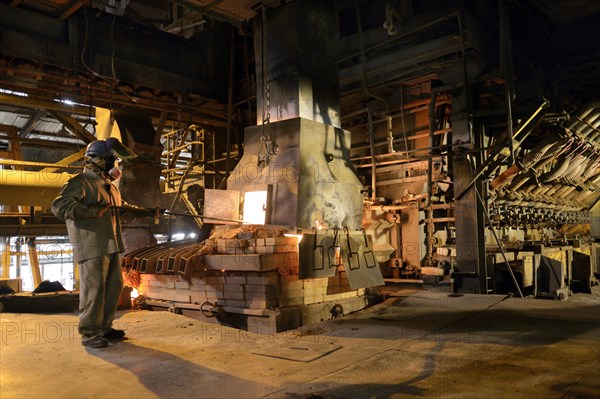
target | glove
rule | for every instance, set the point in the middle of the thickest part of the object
(93, 211)
(98, 210)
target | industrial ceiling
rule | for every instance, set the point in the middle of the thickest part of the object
(168, 58)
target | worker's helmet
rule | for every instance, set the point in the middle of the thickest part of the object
(109, 148)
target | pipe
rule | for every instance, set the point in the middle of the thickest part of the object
(463, 48)
(397, 37)
(434, 94)
(545, 148)
(391, 207)
(372, 149)
(388, 155)
(507, 68)
(363, 59)
(581, 128)
(558, 171)
(512, 275)
(230, 103)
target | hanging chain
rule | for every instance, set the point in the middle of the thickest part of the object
(267, 140)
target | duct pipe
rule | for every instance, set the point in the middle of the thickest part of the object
(558, 171)
(577, 119)
(590, 124)
(544, 149)
(596, 133)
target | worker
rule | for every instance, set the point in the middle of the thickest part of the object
(87, 203)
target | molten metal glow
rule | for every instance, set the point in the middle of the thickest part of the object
(298, 236)
(255, 204)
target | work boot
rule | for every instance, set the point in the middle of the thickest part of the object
(96, 341)
(114, 335)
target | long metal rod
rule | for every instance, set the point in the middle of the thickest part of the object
(150, 212)
(230, 103)
(401, 35)
(203, 217)
(363, 60)
(393, 154)
(487, 215)
(526, 126)
(432, 108)
(372, 149)
(414, 137)
(506, 68)
(11, 162)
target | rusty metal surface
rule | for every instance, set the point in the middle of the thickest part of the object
(163, 258)
(359, 263)
(314, 250)
(298, 56)
(221, 204)
(322, 253)
(313, 180)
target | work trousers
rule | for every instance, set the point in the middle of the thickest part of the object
(100, 287)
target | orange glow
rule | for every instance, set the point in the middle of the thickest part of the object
(134, 293)
(255, 204)
(298, 236)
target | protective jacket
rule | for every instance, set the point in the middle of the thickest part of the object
(86, 203)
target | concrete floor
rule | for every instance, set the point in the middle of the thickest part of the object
(416, 344)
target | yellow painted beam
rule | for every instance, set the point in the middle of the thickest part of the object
(19, 187)
(6, 258)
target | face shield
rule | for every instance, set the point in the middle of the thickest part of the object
(118, 149)
(107, 154)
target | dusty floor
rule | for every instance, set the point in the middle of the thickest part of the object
(417, 344)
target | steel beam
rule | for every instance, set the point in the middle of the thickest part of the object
(65, 162)
(72, 125)
(139, 55)
(25, 142)
(33, 103)
(19, 187)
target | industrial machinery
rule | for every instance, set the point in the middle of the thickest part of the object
(362, 143)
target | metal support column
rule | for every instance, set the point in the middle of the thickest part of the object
(34, 262)
(5, 257)
(470, 274)
(18, 257)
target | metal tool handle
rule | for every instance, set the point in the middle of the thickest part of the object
(336, 247)
(318, 250)
(368, 254)
(353, 258)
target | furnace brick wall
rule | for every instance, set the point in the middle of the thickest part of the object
(257, 273)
